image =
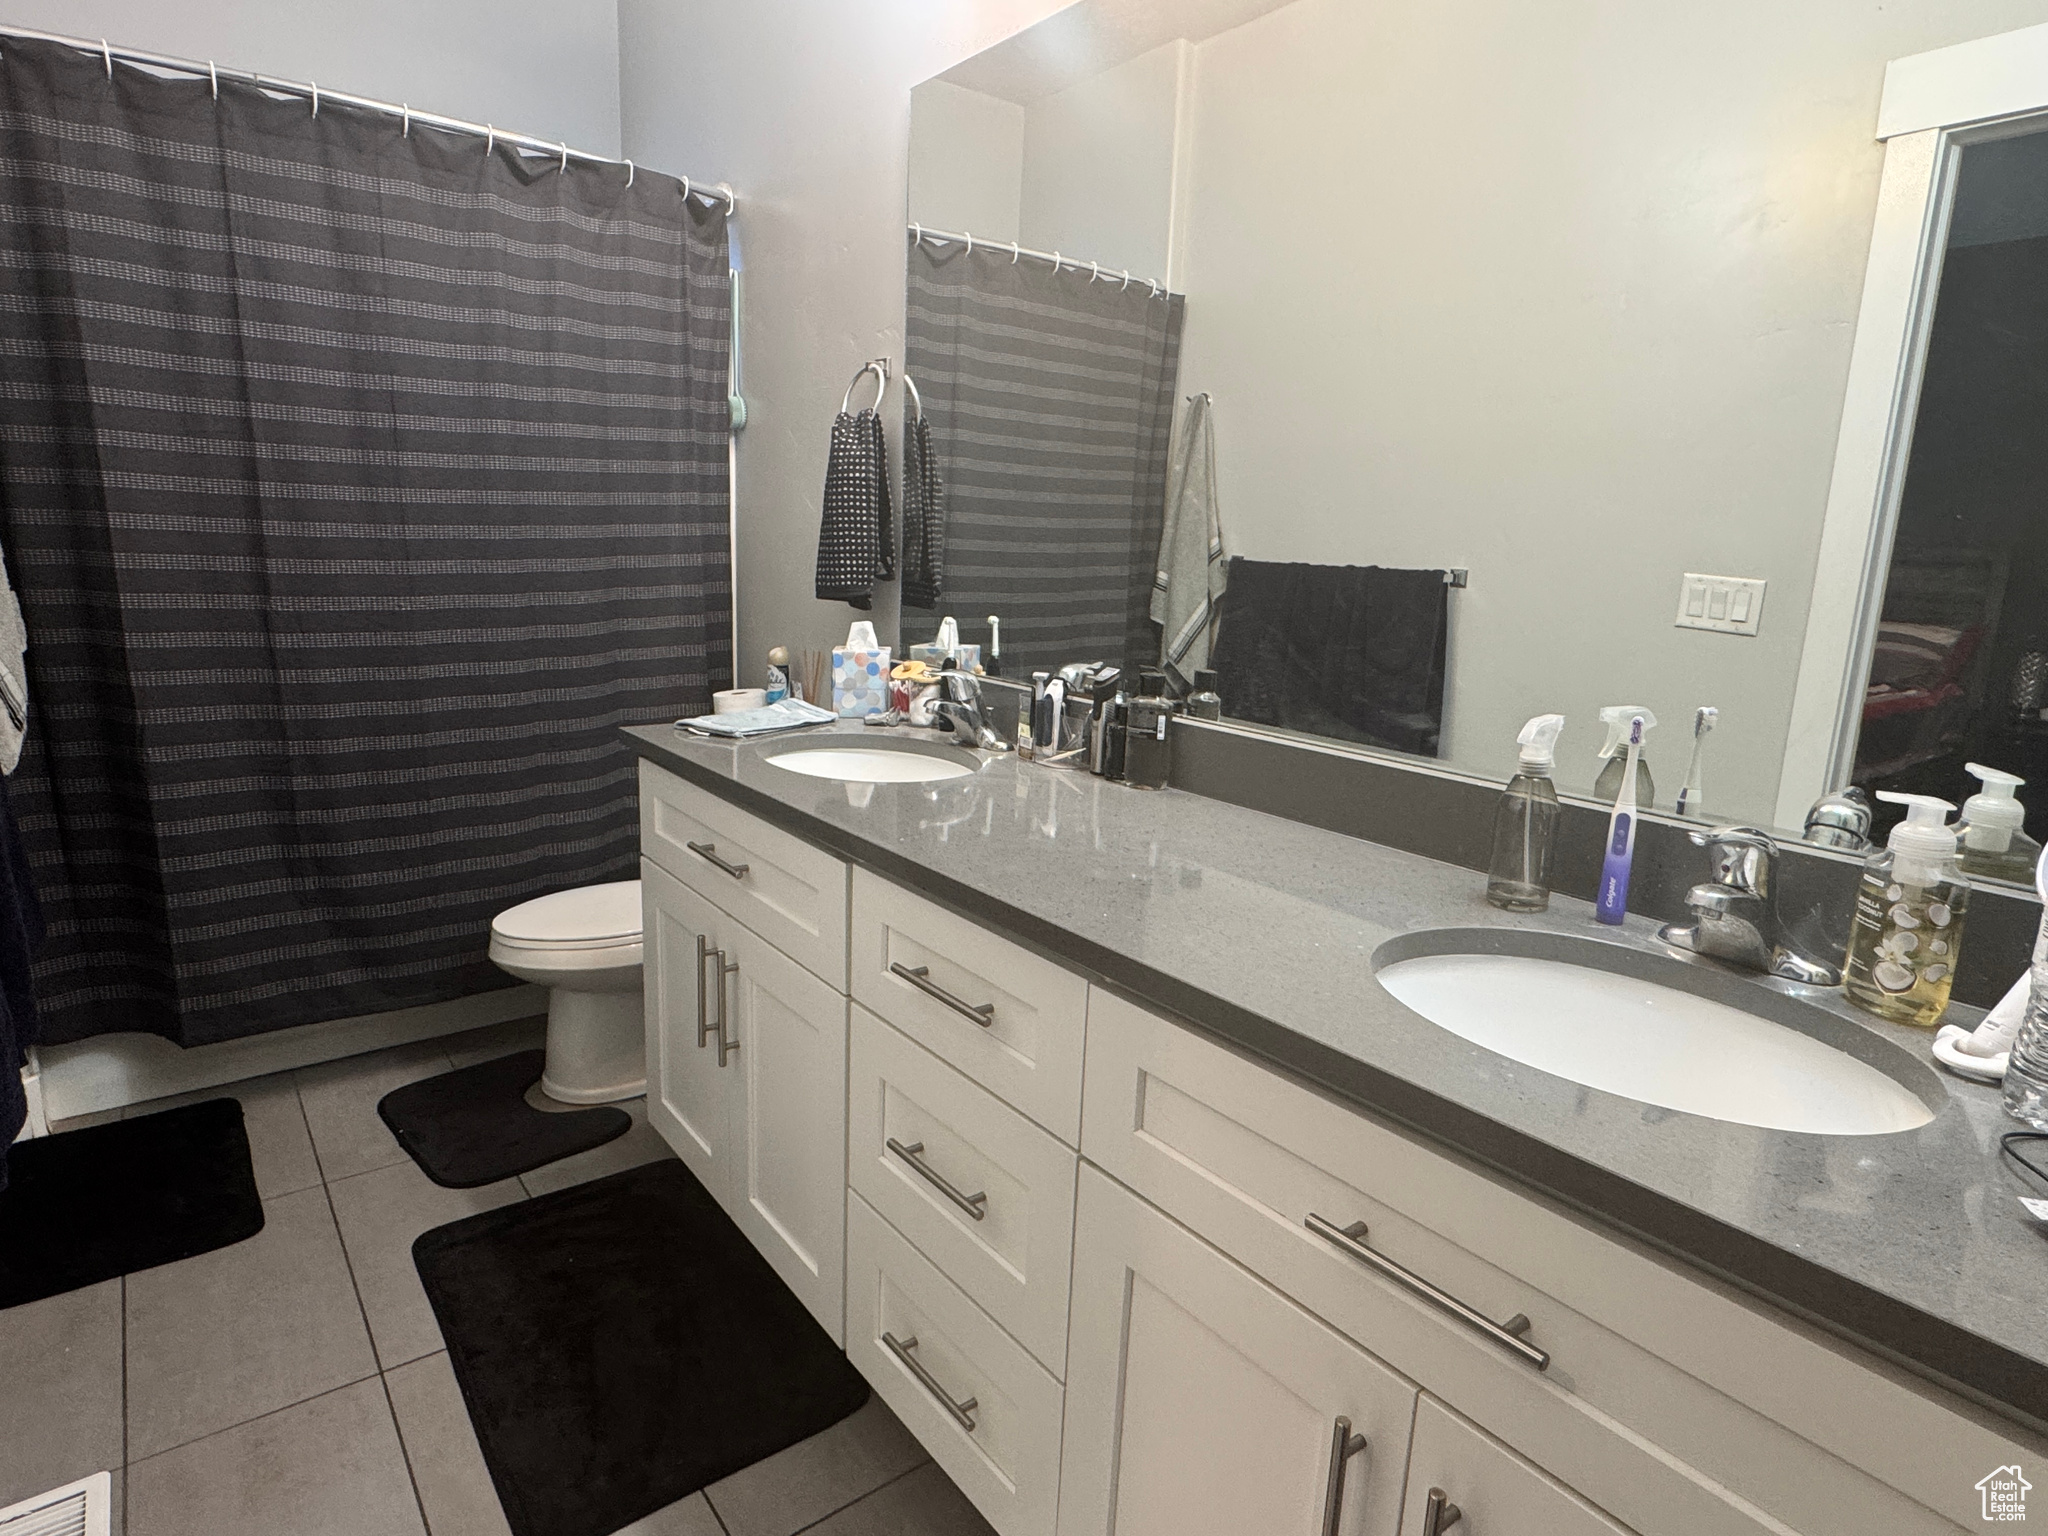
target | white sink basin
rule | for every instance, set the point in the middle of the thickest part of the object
(1656, 1044)
(872, 765)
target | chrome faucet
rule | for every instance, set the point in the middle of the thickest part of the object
(960, 706)
(1735, 913)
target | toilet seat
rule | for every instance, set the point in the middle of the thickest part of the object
(591, 917)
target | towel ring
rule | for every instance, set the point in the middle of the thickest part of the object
(916, 400)
(880, 370)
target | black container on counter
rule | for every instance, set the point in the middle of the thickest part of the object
(1148, 743)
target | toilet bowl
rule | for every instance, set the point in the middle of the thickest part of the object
(583, 945)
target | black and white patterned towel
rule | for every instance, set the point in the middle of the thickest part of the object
(924, 517)
(856, 538)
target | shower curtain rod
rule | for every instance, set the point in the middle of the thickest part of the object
(1011, 248)
(710, 192)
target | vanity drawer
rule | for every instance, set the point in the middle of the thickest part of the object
(1670, 1411)
(1493, 1488)
(789, 892)
(982, 1192)
(1011, 1020)
(1004, 1450)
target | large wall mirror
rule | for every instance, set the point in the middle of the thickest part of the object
(1421, 380)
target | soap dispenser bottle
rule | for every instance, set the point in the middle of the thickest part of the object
(1525, 823)
(1992, 823)
(1907, 932)
(1618, 719)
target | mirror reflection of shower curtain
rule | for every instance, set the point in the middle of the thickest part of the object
(1051, 402)
(359, 486)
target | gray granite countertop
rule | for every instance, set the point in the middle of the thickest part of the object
(1262, 931)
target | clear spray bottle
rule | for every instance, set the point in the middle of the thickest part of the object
(1525, 824)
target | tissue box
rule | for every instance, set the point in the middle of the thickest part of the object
(860, 681)
(935, 656)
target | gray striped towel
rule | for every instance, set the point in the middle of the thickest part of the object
(924, 517)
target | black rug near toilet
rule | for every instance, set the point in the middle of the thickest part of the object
(620, 1344)
(473, 1126)
(85, 1206)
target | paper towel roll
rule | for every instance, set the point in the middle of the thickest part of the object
(733, 700)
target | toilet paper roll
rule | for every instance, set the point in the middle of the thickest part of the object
(733, 700)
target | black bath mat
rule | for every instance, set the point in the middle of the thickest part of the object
(473, 1126)
(620, 1344)
(85, 1206)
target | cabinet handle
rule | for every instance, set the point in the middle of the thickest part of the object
(1439, 1514)
(709, 853)
(704, 952)
(919, 976)
(971, 1204)
(961, 1413)
(1343, 1446)
(727, 1046)
(1351, 1241)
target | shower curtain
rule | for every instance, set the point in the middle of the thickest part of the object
(1051, 403)
(360, 481)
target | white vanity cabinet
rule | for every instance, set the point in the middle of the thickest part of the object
(1457, 1469)
(1201, 1399)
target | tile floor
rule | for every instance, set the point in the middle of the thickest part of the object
(297, 1383)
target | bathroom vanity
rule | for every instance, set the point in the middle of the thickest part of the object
(1077, 1114)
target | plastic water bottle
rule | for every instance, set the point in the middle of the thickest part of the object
(2026, 1074)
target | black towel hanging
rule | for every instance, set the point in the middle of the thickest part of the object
(856, 536)
(924, 511)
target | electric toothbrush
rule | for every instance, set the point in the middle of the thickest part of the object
(1612, 904)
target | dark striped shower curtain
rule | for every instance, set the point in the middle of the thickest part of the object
(1051, 403)
(359, 485)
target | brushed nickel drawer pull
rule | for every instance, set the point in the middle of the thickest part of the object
(971, 1204)
(1343, 1446)
(727, 1046)
(1440, 1514)
(919, 976)
(1351, 1242)
(709, 853)
(704, 952)
(961, 1413)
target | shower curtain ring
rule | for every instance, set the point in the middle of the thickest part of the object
(213, 75)
(1127, 279)
(1155, 286)
(970, 242)
(1014, 253)
(629, 173)
(732, 201)
(107, 50)
(405, 108)
(686, 189)
(490, 140)
(1094, 270)
(565, 157)
(917, 234)
(1055, 263)
(316, 96)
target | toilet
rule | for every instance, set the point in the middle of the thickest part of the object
(583, 945)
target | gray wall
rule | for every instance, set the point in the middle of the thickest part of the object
(805, 106)
(545, 67)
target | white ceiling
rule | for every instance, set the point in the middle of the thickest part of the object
(1094, 35)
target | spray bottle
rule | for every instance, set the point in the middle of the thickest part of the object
(1525, 823)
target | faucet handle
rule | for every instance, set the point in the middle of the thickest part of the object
(1738, 856)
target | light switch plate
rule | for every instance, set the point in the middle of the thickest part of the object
(1728, 605)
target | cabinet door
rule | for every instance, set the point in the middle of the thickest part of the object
(1199, 1399)
(692, 1100)
(789, 1031)
(1496, 1492)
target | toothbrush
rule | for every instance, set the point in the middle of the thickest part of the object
(1612, 904)
(1692, 795)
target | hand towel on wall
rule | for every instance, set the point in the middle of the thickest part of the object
(856, 540)
(13, 675)
(1192, 571)
(924, 517)
(1350, 651)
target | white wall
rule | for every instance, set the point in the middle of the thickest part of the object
(966, 161)
(805, 106)
(545, 67)
(1098, 164)
(1564, 294)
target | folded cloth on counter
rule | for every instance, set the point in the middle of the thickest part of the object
(924, 517)
(1192, 573)
(1350, 651)
(782, 715)
(21, 935)
(856, 539)
(13, 675)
